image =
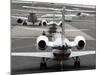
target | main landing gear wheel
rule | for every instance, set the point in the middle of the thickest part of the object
(44, 33)
(61, 64)
(40, 24)
(43, 64)
(77, 62)
(24, 23)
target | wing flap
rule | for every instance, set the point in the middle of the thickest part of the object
(25, 18)
(81, 53)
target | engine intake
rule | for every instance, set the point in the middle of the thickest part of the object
(42, 45)
(42, 42)
(19, 20)
(80, 42)
(44, 23)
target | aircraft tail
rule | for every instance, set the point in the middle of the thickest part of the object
(63, 25)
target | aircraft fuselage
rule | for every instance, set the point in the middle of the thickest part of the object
(61, 54)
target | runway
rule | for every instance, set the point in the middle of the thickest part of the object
(23, 39)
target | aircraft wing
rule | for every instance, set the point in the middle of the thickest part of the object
(81, 53)
(41, 8)
(34, 54)
(50, 54)
(13, 17)
(35, 11)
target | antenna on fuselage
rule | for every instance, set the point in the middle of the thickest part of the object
(63, 26)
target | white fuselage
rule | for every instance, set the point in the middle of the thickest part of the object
(61, 52)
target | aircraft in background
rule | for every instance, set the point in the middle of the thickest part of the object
(61, 48)
(33, 20)
(68, 18)
(47, 18)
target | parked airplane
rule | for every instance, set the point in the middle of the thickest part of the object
(33, 20)
(45, 19)
(61, 48)
(68, 17)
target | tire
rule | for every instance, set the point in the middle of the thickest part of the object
(40, 24)
(24, 24)
(43, 66)
(77, 64)
(61, 25)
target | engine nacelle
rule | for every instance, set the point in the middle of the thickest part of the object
(80, 42)
(20, 20)
(43, 22)
(42, 42)
(79, 13)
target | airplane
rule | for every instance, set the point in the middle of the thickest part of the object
(33, 20)
(68, 18)
(47, 19)
(44, 19)
(61, 48)
(57, 5)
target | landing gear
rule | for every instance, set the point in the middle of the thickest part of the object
(24, 23)
(77, 62)
(40, 24)
(61, 64)
(44, 33)
(43, 64)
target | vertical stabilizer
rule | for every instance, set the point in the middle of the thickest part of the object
(63, 26)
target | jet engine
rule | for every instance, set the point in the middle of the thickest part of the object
(19, 20)
(80, 42)
(82, 14)
(79, 13)
(42, 42)
(22, 21)
(43, 22)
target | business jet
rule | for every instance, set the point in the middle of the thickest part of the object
(61, 48)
